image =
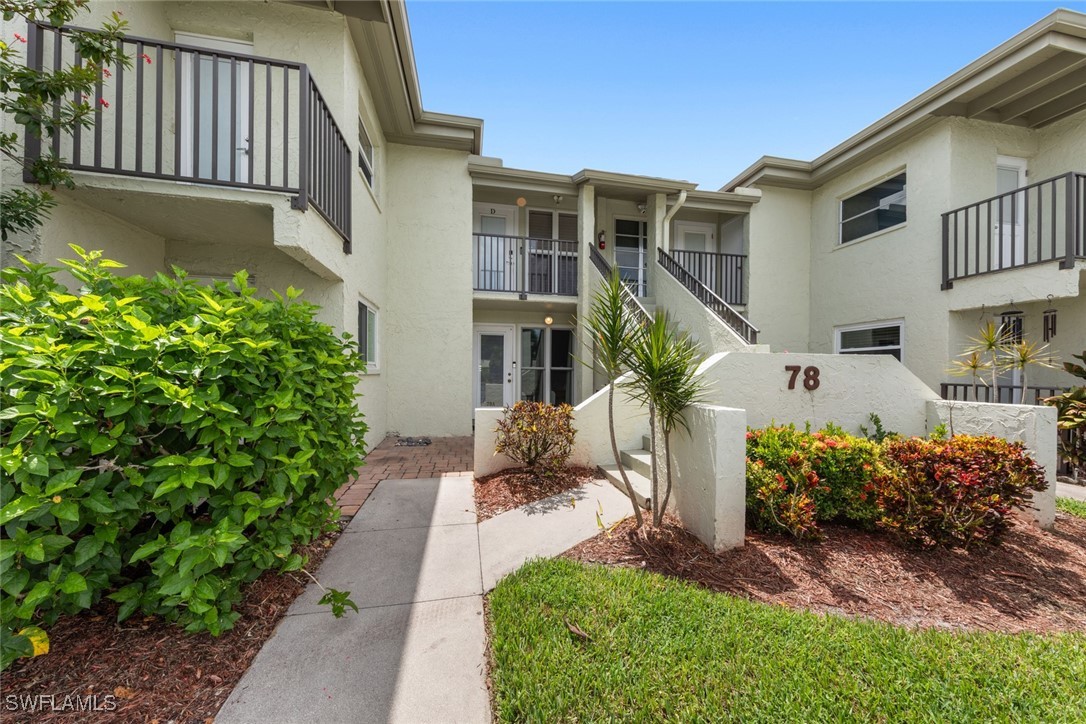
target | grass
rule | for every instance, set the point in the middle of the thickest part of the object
(1071, 506)
(663, 649)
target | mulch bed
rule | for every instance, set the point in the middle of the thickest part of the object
(508, 489)
(1035, 581)
(154, 671)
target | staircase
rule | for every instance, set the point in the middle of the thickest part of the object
(638, 465)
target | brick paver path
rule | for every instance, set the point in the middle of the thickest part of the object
(444, 456)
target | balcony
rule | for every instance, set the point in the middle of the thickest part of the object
(1037, 224)
(209, 117)
(721, 273)
(524, 265)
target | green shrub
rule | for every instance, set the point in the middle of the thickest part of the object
(956, 492)
(537, 435)
(163, 442)
(834, 470)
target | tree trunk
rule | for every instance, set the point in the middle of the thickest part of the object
(618, 458)
(667, 463)
(975, 398)
(655, 476)
(1022, 401)
(995, 378)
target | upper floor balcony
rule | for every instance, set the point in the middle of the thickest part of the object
(524, 265)
(723, 274)
(205, 116)
(1036, 224)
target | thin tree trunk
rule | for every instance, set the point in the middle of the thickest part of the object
(975, 398)
(667, 462)
(655, 477)
(618, 458)
(995, 379)
(1022, 401)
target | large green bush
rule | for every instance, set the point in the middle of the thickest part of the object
(163, 442)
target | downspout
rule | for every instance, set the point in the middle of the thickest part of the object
(666, 246)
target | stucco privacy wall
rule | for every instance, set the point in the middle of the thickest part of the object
(1033, 426)
(710, 475)
(692, 316)
(429, 306)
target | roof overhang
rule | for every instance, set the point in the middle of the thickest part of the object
(489, 172)
(382, 39)
(1036, 78)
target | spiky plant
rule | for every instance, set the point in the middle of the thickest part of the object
(989, 343)
(663, 363)
(1023, 355)
(970, 364)
(612, 331)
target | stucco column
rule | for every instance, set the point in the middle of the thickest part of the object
(586, 276)
(657, 210)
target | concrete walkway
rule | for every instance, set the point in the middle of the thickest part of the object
(417, 564)
(1068, 490)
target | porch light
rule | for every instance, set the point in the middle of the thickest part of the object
(548, 320)
(641, 207)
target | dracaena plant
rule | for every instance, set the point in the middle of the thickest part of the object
(1071, 408)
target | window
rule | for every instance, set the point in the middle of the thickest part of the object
(880, 207)
(366, 155)
(552, 265)
(546, 365)
(882, 338)
(367, 335)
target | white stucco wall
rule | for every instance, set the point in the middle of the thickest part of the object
(1033, 426)
(685, 310)
(428, 327)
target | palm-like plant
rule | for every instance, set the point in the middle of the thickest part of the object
(612, 332)
(1024, 354)
(663, 363)
(972, 364)
(989, 343)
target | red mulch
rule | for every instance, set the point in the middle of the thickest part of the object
(154, 671)
(508, 489)
(1034, 581)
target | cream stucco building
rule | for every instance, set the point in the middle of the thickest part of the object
(289, 139)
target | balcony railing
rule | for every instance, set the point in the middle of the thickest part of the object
(196, 115)
(629, 299)
(1039, 223)
(525, 265)
(739, 324)
(721, 273)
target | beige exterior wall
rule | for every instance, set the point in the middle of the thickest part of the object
(429, 295)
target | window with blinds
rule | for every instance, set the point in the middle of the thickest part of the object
(552, 225)
(552, 256)
(871, 339)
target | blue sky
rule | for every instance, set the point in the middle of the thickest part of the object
(690, 90)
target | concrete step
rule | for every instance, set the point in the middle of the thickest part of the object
(642, 486)
(639, 461)
(646, 443)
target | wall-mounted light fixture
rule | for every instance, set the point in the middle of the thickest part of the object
(557, 199)
(641, 207)
(522, 202)
(601, 239)
(548, 320)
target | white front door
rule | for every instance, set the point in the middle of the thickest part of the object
(495, 252)
(697, 238)
(1008, 226)
(214, 132)
(493, 366)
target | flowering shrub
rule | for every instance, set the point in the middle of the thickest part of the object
(955, 492)
(835, 471)
(537, 435)
(782, 501)
(162, 443)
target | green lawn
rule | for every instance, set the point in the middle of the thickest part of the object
(663, 649)
(1071, 506)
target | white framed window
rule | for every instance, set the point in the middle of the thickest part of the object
(874, 338)
(877, 208)
(367, 335)
(367, 156)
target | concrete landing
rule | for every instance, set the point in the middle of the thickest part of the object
(547, 528)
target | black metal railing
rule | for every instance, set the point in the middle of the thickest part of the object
(721, 273)
(198, 115)
(1040, 223)
(522, 264)
(1004, 394)
(739, 324)
(1010, 395)
(632, 303)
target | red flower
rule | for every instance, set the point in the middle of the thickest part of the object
(20, 38)
(146, 58)
(106, 73)
(104, 102)
(750, 435)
